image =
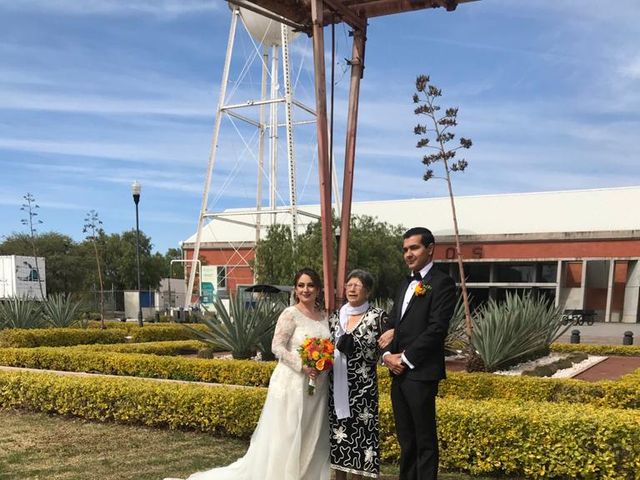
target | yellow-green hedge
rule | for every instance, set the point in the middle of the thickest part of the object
(476, 386)
(59, 337)
(228, 410)
(592, 349)
(238, 372)
(624, 393)
(538, 440)
(177, 347)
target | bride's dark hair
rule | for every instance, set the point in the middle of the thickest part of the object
(317, 282)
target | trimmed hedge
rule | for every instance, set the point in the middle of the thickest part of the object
(227, 410)
(624, 393)
(593, 349)
(538, 440)
(177, 347)
(59, 337)
(237, 372)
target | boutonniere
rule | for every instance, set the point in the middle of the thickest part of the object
(421, 289)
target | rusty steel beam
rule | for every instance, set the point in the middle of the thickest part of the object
(357, 69)
(298, 15)
(379, 8)
(348, 15)
(323, 153)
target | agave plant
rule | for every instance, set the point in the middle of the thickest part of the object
(240, 329)
(60, 310)
(520, 327)
(20, 312)
(456, 339)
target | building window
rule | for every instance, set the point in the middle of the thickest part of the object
(477, 272)
(515, 273)
(222, 278)
(547, 272)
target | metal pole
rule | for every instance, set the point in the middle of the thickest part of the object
(136, 199)
(323, 154)
(357, 68)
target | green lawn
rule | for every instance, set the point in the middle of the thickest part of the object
(39, 446)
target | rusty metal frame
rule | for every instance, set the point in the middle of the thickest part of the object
(323, 153)
(311, 16)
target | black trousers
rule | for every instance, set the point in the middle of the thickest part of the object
(414, 409)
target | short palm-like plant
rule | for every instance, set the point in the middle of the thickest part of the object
(517, 328)
(20, 312)
(240, 329)
(60, 310)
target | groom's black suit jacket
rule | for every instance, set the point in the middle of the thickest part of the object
(421, 331)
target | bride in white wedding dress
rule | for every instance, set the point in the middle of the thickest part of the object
(291, 441)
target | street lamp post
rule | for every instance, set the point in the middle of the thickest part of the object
(135, 190)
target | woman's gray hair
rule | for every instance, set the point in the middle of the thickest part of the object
(365, 277)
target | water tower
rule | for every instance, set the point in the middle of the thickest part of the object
(269, 110)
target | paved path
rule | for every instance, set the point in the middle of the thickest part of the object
(603, 333)
(610, 369)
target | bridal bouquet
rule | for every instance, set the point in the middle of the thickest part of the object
(316, 353)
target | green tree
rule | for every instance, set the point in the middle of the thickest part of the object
(177, 271)
(274, 261)
(67, 265)
(120, 267)
(374, 246)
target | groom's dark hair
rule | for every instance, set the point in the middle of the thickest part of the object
(425, 235)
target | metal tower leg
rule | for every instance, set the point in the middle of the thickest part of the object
(288, 103)
(212, 153)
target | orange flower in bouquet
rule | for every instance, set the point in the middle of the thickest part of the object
(316, 353)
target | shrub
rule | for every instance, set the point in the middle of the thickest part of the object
(531, 439)
(240, 372)
(177, 347)
(225, 410)
(520, 327)
(54, 337)
(19, 337)
(623, 393)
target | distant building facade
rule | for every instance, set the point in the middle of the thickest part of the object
(580, 248)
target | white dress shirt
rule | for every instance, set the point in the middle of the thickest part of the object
(408, 295)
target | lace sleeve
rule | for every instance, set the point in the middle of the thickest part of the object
(284, 329)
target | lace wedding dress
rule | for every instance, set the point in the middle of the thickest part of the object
(291, 441)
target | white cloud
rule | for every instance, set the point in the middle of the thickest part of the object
(114, 7)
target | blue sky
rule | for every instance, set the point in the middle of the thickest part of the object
(98, 93)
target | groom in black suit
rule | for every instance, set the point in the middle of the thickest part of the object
(423, 307)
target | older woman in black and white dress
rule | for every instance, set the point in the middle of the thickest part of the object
(353, 386)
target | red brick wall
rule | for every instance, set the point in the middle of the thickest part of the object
(237, 262)
(542, 249)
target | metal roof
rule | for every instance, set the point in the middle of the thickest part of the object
(532, 214)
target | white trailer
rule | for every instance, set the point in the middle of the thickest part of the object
(22, 277)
